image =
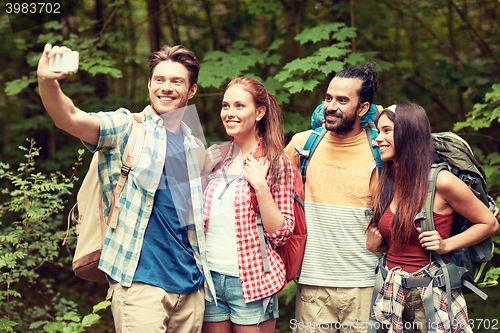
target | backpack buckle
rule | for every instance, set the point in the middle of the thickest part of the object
(125, 170)
(439, 281)
(299, 151)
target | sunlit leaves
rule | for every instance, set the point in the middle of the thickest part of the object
(483, 114)
(219, 67)
(16, 86)
(321, 32)
(72, 321)
(6, 325)
(299, 85)
(92, 57)
(31, 239)
(301, 74)
(331, 66)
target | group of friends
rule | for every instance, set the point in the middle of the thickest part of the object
(185, 255)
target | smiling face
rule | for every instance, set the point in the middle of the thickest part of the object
(239, 113)
(385, 138)
(342, 114)
(169, 87)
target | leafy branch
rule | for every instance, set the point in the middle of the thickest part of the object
(31, 240)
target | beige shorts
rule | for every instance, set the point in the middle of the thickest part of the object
(331, 309)
(145, 308)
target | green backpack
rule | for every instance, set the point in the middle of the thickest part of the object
(467, 267)
(456, 156)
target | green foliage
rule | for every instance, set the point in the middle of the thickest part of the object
(71, 321)
(483, 114)
(324, 32)
(219, 67)
(261, 6)
(295, 123)
(33, 240)
(301, 74)
(304, 74)
(93, 59)
(6, 325)
(16, 86)
(492, 274)
(30, 241)
(287, 295)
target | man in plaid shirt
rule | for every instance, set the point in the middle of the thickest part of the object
(155, 258)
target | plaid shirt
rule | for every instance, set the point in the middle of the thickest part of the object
(390, 303)
(122, 246)
(254, 283)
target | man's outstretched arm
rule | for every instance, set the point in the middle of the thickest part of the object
(59, 106)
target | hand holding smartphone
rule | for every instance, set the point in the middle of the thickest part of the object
(66, 62)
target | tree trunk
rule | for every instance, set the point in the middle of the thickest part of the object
(206, 7)
(154, 30)
(101, 90)
(172, 23)
(292, 25)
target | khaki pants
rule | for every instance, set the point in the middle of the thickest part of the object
(145, 308)
(331, 309)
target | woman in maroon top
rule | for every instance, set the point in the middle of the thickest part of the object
(406, 148)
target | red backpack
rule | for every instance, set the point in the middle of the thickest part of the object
(292, 252)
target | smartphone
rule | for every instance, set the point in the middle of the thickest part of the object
(66, 62)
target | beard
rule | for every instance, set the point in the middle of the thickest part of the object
(344, 125)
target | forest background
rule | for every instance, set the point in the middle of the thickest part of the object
(442, 54)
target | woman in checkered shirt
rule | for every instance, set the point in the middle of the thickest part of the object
(254, 174)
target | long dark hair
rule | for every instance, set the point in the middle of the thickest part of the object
(270, 127)
(407, 177)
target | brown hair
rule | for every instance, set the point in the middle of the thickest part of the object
(407, 177)
(270, 127)
(178, 54)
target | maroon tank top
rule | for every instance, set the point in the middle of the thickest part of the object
(412, 256)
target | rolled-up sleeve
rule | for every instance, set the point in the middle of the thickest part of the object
(114, 126)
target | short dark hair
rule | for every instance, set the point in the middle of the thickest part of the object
(368, 77)
(178, 54)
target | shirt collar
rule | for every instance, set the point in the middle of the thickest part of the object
(148, 111)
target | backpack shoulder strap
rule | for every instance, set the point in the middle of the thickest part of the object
(309, 148)
(426, 215)
(262, 242)
(136, 143)
(372, 133)
(200, 153)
